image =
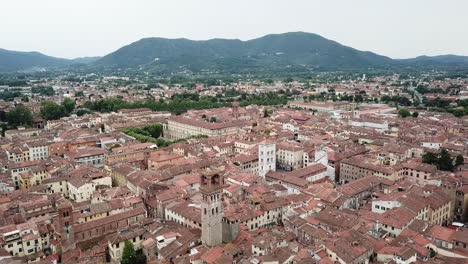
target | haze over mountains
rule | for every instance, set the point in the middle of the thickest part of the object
(289, 51)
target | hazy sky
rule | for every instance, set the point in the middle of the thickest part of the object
(75, 28)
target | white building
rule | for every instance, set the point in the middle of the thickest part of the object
(266, 158)
(88, 155)
(38, 150)
(82, 189)
(369, 123)
(289, 156)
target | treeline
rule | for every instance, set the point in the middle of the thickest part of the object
(10, 94)
(43, 90)
(12, 82)
(184, 102)
(175, 106)
(443, 105)
(400, 100)
(423, 89)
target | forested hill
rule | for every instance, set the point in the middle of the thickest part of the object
(289, 50)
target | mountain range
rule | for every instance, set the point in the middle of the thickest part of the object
(294, 51)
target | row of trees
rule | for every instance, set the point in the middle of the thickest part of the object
(443, 160)
(43, 90)
(443, 105)
(423, 89)
(184, 102)
(400, 100)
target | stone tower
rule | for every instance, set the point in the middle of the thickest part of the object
(235, 109)
(211, 188)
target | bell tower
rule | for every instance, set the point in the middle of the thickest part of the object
(235, 110)
(211, 188)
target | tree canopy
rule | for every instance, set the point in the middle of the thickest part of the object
(69, 105)
(404, 112)
(52, 111)
(43, 90)
(442, 160)
(20, 116)
(128, 254)
(459, 160)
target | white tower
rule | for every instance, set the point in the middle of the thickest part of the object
(266, 158)
(211, 188)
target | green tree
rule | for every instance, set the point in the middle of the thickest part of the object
(415, 114)
(358, 98)
(458, 112)
(404, 113)
(4, 127)
(140, 258)
(52, 111)
(69, 105)
(155, 130)
(128, 254)
(20, 116)
(445, 161)
(459, 160)
(82, 111)
(430, 158)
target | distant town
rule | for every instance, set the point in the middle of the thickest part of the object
(327, 168)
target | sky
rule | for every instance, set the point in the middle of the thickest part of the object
(78, 28)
